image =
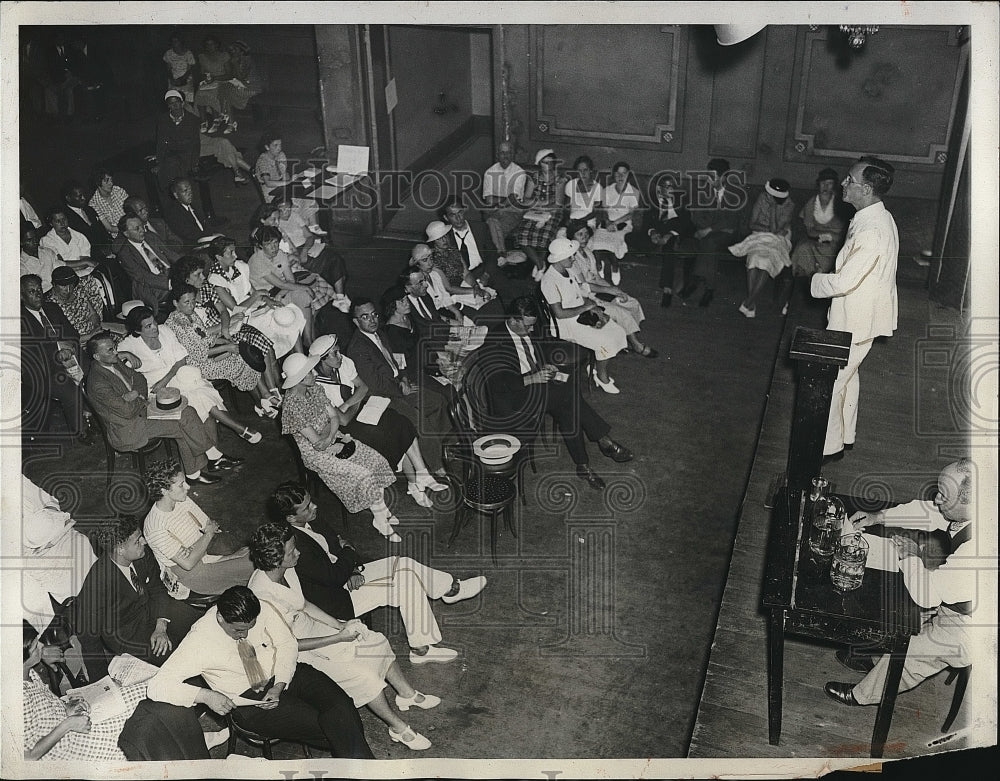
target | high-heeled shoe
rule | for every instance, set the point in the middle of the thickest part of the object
(418, 495)
(410, 738)
(383, 527)
(429, 701)
(607, 387)
(427, 482)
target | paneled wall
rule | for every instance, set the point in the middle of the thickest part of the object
(787, 102)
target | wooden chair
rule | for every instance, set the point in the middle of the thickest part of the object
(138, 456)
(251, 738)
(482, 492)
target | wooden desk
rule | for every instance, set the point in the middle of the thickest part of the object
(801, 600)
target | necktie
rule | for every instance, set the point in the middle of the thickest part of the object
(461, 245)
(195, 217)
(153, 259)
(386, 354)
(136, 583)
(150, 229)
(50, 330)
(422, 307)
(529, 355)
(255, 673)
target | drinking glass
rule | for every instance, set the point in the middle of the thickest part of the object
(849, 559)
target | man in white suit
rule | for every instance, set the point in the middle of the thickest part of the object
(862, 289)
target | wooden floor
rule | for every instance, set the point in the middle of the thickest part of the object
(910, 425)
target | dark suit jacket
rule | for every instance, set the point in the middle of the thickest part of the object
(152, 288)
(436, 327)
(160, 238)
(495, 377)
(42, 376)
(178, 147)
(98, 236)
(483, 243)
(372, 366)
(109, 615)
(125, 421)
(322, 580)
(180, 222)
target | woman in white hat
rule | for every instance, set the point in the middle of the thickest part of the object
(356, 473)
(393, 436)
(568, 304)
(544, 192)
(768, 246)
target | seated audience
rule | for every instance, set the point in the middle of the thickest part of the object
(617, 220)
(392, 435)
(108, 200)
(211, 100)
(716, 225)
(49, 349)
(271, 166)
(569, 308)
(57, 555)
(147, 267)
(118, 394)
(157, 234)
(229, 292)
(460, 282)
(41, 261)
(57, 729)
(766, 248)
(358, 659)
(245, 83)
(429, 324)
(356, 473)
(522, 386)
(408, 387)
(164, 362)
(334, 578)
(243, 648)
(946, 636)
(123, 607)
(584, 194)
(616, 303)
(82, 218)
(180, 533)
(503, 193)
(544, 192)
(471, 242)
(668, 231)
(273, 270)
(181, 67)
(182, 217)
(215, 356)
(422, 257)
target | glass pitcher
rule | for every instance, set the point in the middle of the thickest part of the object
(828, 516)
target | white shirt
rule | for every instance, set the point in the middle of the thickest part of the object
(77, 247)
(620, 204)
(41, 265)
(348, 374)
(29, 213)
(504, 182)
(581, 204)
(466, 237)
(147, 254)
(320, 540)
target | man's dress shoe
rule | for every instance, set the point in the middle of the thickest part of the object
(841, 692)
(594, 480)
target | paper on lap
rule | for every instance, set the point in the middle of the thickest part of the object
(882, 553)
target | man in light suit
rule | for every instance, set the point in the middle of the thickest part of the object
(147, 262)
(862, 289)
(123, 606)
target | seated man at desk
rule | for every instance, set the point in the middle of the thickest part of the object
(951, 588)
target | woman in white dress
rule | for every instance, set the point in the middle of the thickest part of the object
(619, 305)
(358, 659)
(238, 303)
(584, 193)
(164, 362)
(568, 303)
(621, 207)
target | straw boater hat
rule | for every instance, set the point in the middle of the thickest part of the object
(172, 93)
(128, 306)
(296, 367)
(322, 345)
(169, 398)
(496, 449)
(436, 230)
(560, 249)
(776, 188)
(541, 154)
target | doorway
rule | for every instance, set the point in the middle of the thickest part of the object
(432, 95)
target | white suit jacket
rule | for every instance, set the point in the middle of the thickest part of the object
(863, 284)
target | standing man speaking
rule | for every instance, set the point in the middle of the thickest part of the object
(862, 289)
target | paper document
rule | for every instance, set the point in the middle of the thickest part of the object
(352, 159)
(127, 670)
(881, 553)
(372, 411)
(104, 698)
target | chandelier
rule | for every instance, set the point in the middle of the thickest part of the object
(855, 33)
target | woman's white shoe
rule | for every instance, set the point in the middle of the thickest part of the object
(607, 387)
(428, 483)
(428, 701)
(421, 498)
(383, 526)
(410, 739)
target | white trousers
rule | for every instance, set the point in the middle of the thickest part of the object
(401, 582)
(842, 424)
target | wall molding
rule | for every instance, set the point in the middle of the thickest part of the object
(663, 131)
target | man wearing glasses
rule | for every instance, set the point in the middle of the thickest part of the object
(862, 291)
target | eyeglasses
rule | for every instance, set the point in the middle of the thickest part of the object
(367, 315)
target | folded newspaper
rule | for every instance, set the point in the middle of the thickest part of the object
(127, 670)
(371, 413)
(104, 698)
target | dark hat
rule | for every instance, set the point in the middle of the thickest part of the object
(64, 275)
(828, 174)
(252, 356)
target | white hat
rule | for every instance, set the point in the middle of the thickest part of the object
(436, 230)
(284, 315)
(323, 344)
(295, 367)
(496, 449)
(172, 93)
(128, 306)
(776, 188)
(542, 154)
(560, 249)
